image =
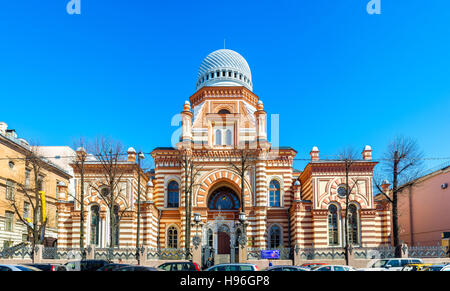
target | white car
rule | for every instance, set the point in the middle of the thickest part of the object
(17, 268)
(334, 268)
(446, 268)
(391, 264)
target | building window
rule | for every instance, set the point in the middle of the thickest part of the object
(26, 210)
(11, 165)
(104, 191)
(218, 137)
(353, 229)
(10, 190)
(223, 111)
(333, 229)
(95, 224)
(274, 237)
(229, 137)
(342, 191)
(274, 194)
(172, 238)
(27, 177)
(173, 195)
(9, 220)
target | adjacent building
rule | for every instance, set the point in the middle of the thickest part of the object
(16, 176)
(423, 209)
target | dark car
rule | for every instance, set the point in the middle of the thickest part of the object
(180, 266)
(138, 269)
(86, 265)
(286, 268)
(49, 267)
(434, 268)
(112, 267)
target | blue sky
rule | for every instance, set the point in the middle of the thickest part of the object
(336, 75)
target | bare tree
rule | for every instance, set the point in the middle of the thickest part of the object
(109, 157)
(32, 193)
(402, 163)
(191, 172)
(241, 167)
(348, 157)
(79, 163)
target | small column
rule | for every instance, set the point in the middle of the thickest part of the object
(38, 252)
(314, 154)
(367, 153)
(186, 121)
(131, 155)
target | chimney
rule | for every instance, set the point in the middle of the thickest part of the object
(385, 186)
(131, 155)
(3, 127)
(314, 154)
(367, 153)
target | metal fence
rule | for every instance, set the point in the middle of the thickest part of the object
(380, 252)
(110, 254)
(437, 251)
(168, 254)
(17, 252)
(320, 253)
(62, 253)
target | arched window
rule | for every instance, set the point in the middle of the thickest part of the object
(274, 237)
(95, 224)
(229, 137)
(224, 111)
(172, 195)
(172, 238)
(352, 222)
(218, 137)
(333, 229)
(274, 194)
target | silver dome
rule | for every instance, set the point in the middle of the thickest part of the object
(224, 68)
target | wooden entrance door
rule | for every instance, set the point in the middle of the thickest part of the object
(223, 243)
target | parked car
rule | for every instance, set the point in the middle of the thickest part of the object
(111, 267)
(415, 267)
(334, 268)
(391, 264)
(446, 268)
(233, 267)
(48, 267)
(85, 265)
(287, 268)
(138, 269)
(20, 268)
(313, 265)
(180, 266)
(434, 268)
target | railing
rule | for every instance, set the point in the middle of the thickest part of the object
(62, 253)
(21, 251)
(380, 252)
(437, 251)
(255, 253)
(320, 253)
(110, 254)
(167, 254)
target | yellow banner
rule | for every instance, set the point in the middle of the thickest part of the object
(44, 206)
